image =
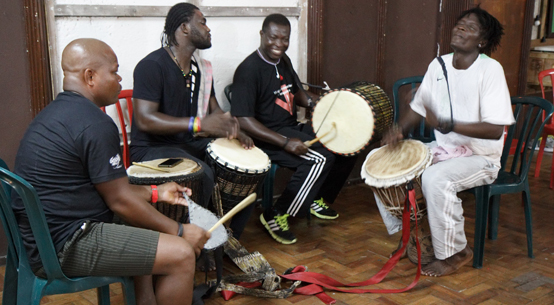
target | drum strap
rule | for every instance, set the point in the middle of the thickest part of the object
(206, 289)
(441, 61)
(319, 281)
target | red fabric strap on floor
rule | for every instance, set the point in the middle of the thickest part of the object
(318, 280)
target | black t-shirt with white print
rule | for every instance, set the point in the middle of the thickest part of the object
(262, 92)
(69, 147)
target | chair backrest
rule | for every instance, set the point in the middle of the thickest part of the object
(37, 221)
(542, 75)
(5, 191)
(128, 96)
(227, 91)
(420, 132)
(531, 114)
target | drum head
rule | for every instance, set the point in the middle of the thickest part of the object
(344, 121)
(186, 167)
(387, 166)
(231, 154)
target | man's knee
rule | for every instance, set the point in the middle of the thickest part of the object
(432, 180)
(174, 255)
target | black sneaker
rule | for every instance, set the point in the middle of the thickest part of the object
(277, 226)
(321, 210)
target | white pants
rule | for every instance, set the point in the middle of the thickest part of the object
(440, 184)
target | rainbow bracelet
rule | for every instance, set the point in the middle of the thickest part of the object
(191, 124)
(196, 125)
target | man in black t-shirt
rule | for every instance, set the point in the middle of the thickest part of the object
(266, 91)
(173, 95)
(71, 155)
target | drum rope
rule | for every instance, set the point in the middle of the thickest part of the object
(328, 110)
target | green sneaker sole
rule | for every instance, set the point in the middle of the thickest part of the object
(321, 216)
(275, 236)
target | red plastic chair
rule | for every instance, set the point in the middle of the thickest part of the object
(128, 96)
(548, 130)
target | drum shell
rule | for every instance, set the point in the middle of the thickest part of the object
(388, 177)
(234, 185)
(380, 103)
(394, 197)
(192, 180)
(351, 139)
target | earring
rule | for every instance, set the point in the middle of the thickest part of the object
(479, 45)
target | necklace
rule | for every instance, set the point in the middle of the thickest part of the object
(269, 62)
(186, 75)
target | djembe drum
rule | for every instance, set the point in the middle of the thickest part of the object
(387, 171)
(238, 171)
(187, 173)
(347, 119)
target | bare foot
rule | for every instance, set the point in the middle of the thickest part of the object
(445, 267)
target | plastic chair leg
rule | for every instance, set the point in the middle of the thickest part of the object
(481, 215)
(9, 296)
(552, 174)
(129, 291)
(528, 220)
(539, 155)
(103, 294)
(494, 206)
(30, 291)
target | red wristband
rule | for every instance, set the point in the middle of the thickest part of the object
(154, 194)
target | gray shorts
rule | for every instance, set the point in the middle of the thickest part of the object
(107, 249)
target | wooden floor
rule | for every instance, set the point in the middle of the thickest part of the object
(356, 245)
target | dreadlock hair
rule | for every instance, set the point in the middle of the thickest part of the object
(178, 14)
(278, 19)
(491, 29)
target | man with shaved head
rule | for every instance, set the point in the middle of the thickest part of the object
(71, 155)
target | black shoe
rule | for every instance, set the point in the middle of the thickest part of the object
(321, 210)
(278, 226)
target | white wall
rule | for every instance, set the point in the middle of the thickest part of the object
(132, 38)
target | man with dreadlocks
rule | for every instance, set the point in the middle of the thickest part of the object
(176, 112)
(266, 91)
(468, 107)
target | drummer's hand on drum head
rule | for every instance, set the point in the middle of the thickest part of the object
(392, 136)
(171, 193)
(220, 125)
(296, 146)
(196, 237)
(245, 140)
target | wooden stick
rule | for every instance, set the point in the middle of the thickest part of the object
(244, 203)
(151, 167)
(312, 142)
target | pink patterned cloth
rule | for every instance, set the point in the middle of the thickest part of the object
(205, 90)
(443, 153)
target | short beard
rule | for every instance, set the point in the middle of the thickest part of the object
(198, 42)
